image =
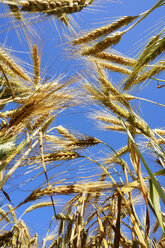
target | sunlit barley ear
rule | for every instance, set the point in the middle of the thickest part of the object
(38, 205)
(11, 64)
(36, 64)
(154, 48)
(155, 70)
(104, 44)
(109, 89)
(12, 213)
(52, 7)
(21, 233)
(63, 131)
(96, 33)
(3, 214)
(84, 142)
(113, 67)
(111, 57)
(46, 98)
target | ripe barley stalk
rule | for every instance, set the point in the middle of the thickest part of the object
(104, 30)
(104, 44)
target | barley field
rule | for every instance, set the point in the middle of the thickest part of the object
(82, 138)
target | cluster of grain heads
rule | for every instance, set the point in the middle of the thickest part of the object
(122, 110)
(96, 33)
(153, 49)
(100, 204)
(46, 98)
(104, 44)
(49, 7)
(8, 62)
(73, 142)
(18, 235)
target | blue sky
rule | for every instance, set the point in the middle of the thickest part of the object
(55, 59)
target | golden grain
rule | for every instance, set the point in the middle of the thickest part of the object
(63, 131)
(36, 63)
(152, 72)
(113, 67)
(144, 59)
(104, 30)
(104, 44)
(54, 7)
(5, 58)
(3, 214)
(116, 58)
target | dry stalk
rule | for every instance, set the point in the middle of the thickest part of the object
(104, 30)
(33, 242)
(7, 82)
(44, 167)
